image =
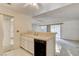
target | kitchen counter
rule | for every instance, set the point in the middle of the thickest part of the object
(39, 35)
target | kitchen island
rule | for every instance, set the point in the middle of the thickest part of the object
(39, 43)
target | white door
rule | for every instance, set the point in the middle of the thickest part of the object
(8, 32)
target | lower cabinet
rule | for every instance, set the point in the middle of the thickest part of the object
(28, 44)
(39, 47)
(31, 45)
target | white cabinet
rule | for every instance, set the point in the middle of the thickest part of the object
(50, 48)
(31, 45)
(28, 44)
(42, 44)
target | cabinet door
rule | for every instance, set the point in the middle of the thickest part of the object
(31, 45)
(24, 43)
(28, 44)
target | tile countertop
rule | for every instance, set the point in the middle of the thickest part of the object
(39, 35)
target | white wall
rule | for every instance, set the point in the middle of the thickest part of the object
(1, 33)
(70, 30)
(22, 23)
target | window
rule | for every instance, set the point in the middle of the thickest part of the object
(56, 28)
(43, 28)
(39, 28)
(12, 31)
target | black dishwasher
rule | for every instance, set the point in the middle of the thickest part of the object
(39, 47)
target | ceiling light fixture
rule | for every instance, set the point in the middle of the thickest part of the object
(32, 5)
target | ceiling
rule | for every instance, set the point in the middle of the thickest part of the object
(46, 7)
(25, 8)
(70, 11)
(33, 10)
(46, 13)
(66, 13)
